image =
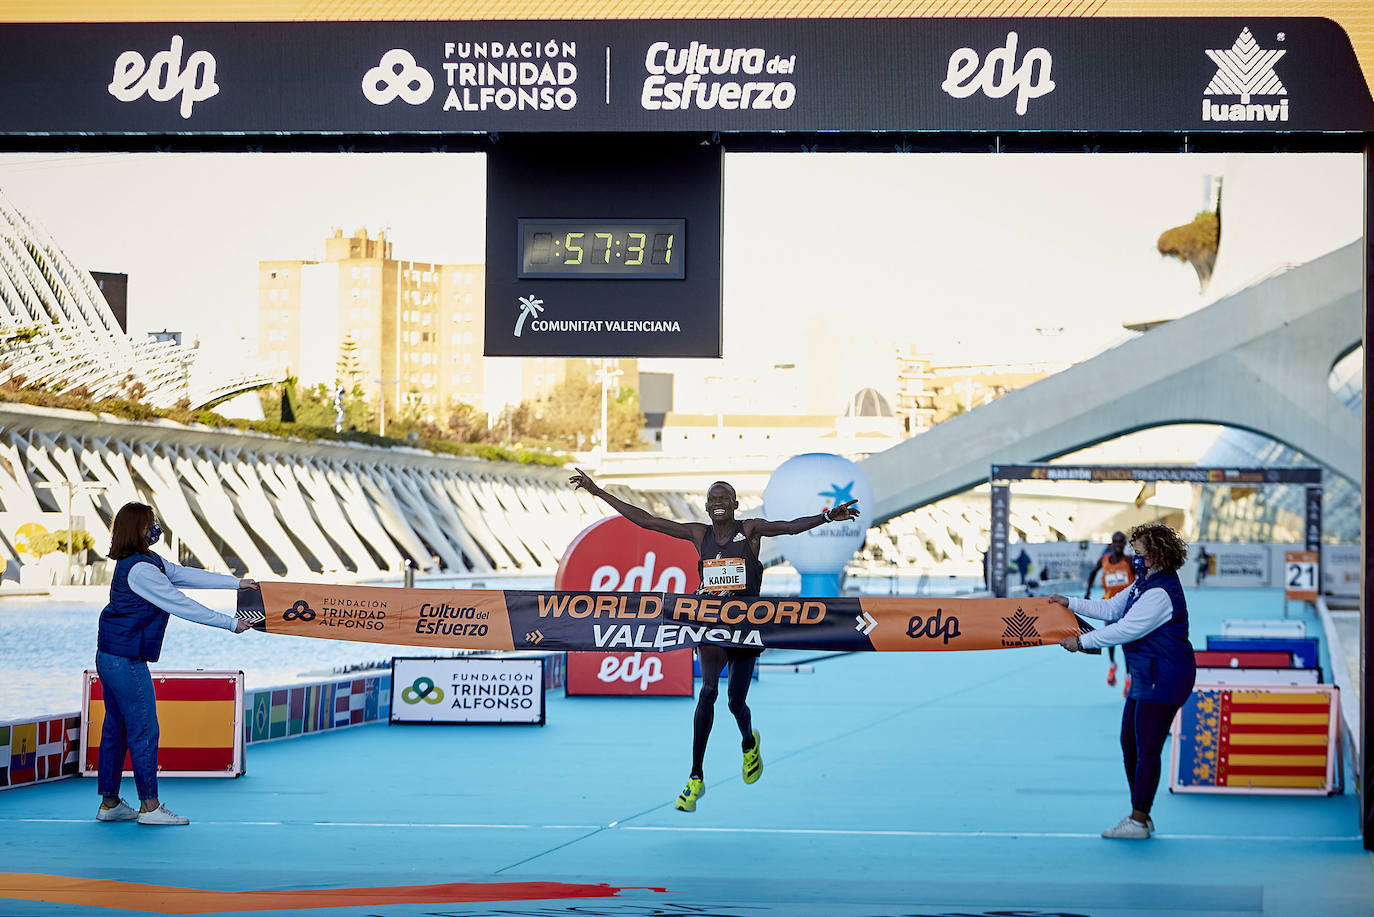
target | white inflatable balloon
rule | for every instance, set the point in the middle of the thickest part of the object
(803, 486)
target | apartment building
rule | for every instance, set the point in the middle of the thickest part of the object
(408, 330)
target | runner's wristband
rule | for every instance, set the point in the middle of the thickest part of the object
(825, 514)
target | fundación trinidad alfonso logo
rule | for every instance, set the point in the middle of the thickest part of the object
(301, 611)
(1245, 71)
(398, 76)
(423, 689)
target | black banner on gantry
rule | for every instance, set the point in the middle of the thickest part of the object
(1246, 74)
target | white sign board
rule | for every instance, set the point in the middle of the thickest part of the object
(487, 689)
(1300, 575)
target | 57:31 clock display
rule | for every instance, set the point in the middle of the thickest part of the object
(602, 249)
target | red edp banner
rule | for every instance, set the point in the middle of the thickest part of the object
(615, 554)
(636, 674)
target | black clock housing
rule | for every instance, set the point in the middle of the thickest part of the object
(603, 246)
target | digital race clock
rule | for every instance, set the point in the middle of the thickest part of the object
(588, 251)
(602, 249)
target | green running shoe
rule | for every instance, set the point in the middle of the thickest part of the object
(687, 799)
(753, 761)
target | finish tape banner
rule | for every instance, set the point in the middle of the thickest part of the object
(482, 619)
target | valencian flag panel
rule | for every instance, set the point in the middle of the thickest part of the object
(1261, 739)
(479, 619)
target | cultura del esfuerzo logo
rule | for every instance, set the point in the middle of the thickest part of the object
(704, 77)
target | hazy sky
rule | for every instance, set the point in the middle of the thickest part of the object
(978, 257)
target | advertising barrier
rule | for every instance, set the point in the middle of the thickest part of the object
(631, 674)
(295, 710)
(39, 750)
(1231, 565)
(1258, 739)
(199, 715)
(1246, 565)
(1304, 649)
(615, 554)
(631, 621)
(1258, 676)
(463, 690)
(1340, 570)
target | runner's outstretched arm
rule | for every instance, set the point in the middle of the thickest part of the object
(687, 531)
(841, 513)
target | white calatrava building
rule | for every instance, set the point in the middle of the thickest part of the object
(58, 332)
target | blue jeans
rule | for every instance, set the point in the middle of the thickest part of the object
(130, 724)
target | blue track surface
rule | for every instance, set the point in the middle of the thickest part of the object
(894, 784)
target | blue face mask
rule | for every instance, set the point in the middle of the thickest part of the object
(1138, 565)
(154, 534)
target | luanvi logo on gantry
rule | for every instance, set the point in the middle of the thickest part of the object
(1245, 71)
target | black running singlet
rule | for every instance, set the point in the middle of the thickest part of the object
(739, 547)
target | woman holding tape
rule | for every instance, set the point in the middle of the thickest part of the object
(1149, 621)
(144, 590)
(728, 552)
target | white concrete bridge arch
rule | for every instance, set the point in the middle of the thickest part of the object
(1258, 359)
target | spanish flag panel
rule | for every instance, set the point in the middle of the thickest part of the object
(196, 721)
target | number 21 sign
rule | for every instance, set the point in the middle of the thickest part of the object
(1300, 575)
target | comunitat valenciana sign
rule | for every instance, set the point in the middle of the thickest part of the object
(614, 554)
(1174, 74)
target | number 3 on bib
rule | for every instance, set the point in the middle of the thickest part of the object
(722, 574)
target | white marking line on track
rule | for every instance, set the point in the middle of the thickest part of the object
(1037, 834)
(616, 826)
(325, 824)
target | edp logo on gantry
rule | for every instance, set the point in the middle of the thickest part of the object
(999, 74)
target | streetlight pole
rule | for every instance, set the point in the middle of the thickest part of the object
(381, 399)
(605, 375)
(71, 487)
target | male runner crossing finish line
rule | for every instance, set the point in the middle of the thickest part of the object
(728, 562)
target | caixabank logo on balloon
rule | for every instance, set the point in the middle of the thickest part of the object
(1245, 86)
(480, 76)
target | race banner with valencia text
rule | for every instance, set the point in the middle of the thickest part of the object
(480, 619)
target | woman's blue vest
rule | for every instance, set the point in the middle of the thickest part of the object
(1161, 663)
(131, 626)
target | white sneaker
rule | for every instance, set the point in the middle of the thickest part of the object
(1150, 823)
(162, 816)
(121, 812)
(1128, 830)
